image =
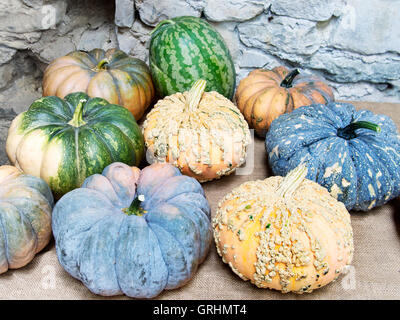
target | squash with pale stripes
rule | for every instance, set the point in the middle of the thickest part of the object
(65, 141)
(186, 49)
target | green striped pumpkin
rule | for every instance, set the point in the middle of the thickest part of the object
(185, 49)
(65, 141)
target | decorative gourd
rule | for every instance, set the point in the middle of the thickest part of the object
(287, 234)
(354, 154)
(133, 232)
(266, 94)
(26, 203)
(112, 75)
(202, 133)
(185, 49)
(65, 141)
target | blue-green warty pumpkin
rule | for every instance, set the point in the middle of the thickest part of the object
(26, 203)
(133, 232)
(63, 141)
(354, 154)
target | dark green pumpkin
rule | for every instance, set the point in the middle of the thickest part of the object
(186, 49)
(65, 141)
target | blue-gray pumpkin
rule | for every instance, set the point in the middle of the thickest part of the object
(354, 154)
(133, 232)
(26, 203)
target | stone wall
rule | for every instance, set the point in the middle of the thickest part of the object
(354, 44)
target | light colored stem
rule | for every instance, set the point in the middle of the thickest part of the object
(292, 181)
(195, 94)
(77, 118)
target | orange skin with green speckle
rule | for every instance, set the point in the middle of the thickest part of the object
(325, 219)
(112, 75)
(261, 97)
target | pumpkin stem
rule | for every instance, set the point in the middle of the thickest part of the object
(292, 181)
(77, 118)
(136, 208)
(161, 24)
(101, 65)
(287, 82)
(195, 94)
(348, 132)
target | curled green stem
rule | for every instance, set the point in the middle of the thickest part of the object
(102, 64)
(167, 21)
(349, 132)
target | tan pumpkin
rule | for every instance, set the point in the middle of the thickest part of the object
(112, 75)
(202, 133)
(266, 94)
(287, 234)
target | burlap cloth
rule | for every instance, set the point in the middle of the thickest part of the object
(375, 271)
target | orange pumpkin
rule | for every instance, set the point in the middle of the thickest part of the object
(112, 75)
(266, 94)
(287, 234)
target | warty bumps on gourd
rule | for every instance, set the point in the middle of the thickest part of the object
(202, 133)
(355, 154)
(287, 234)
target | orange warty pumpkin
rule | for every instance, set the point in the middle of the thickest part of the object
(266, 94)
(202, 133)
(287, 234)
(112, 75)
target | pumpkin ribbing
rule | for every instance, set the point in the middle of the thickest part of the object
(264, 95)
(202, 133)
(71, 139)
(286, 234)
(112, 75)
(26, 204)
(156, 246)
(353, 153)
